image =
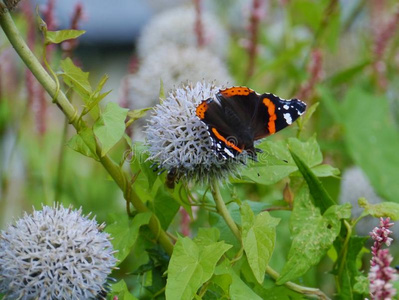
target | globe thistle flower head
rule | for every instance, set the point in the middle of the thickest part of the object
(179, 141)
(177, 26)
(174, 65)
(55, 253)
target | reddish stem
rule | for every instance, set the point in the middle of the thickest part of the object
(69, 46)
(382, 37)
(31, 83)
(133, 66)
(256, 16)
(315, 70)
(199, 29)
(185, 222)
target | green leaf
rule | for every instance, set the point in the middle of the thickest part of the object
(223, 281)
(321, 197)
(96, 97)
(348, 74)
(191, 265)
(238, 290)
(101, 83)
(76, 79)
(56, 37)
(258, 238)
(372, 139)
(332, 29)
(165, 208)
(125, 232)
(120, 290)
(349, 269)
(305, 12)
(110, 127)
(207, 236)
(276, 163)
(309, 113)
(313, 234)
(330, 103)
(138, 113)
(147, 181)
(362, 285)
(325, 171)
(84, 142)
(385, 209)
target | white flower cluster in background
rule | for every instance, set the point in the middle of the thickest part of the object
(177, 26)
(355, 185)
(179, 141)
(161, 5)
(168, 51)
(55, 253)
(173, 65)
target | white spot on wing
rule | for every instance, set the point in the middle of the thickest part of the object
(288, 118)
(286, 107)
(228, 152)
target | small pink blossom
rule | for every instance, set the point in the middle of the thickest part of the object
(316, 74)
(77, 16)
(381, 274)
(383, 35)
(185, 222)
(199, 29)
(258, 13)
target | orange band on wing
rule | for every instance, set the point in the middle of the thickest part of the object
(201, 109)
(223, 139)
(271, 109)
(236, 91)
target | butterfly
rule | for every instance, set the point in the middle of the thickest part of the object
(238, 116)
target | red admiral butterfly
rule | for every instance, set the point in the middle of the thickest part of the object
(239, 116)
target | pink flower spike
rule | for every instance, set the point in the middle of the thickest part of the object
(381, 274)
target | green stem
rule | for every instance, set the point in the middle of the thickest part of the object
(344, 252)
(223, 211)
(61, 163)
(296, 287)
(119, 176)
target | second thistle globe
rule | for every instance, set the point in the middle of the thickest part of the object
(179, 142)
(55, 253)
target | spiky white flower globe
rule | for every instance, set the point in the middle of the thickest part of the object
(179, 142)
(173, 65)
(55, 253)
(177, 26)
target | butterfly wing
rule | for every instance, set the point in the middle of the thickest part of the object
(228, 118)
(274, 114)
(239, 116)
